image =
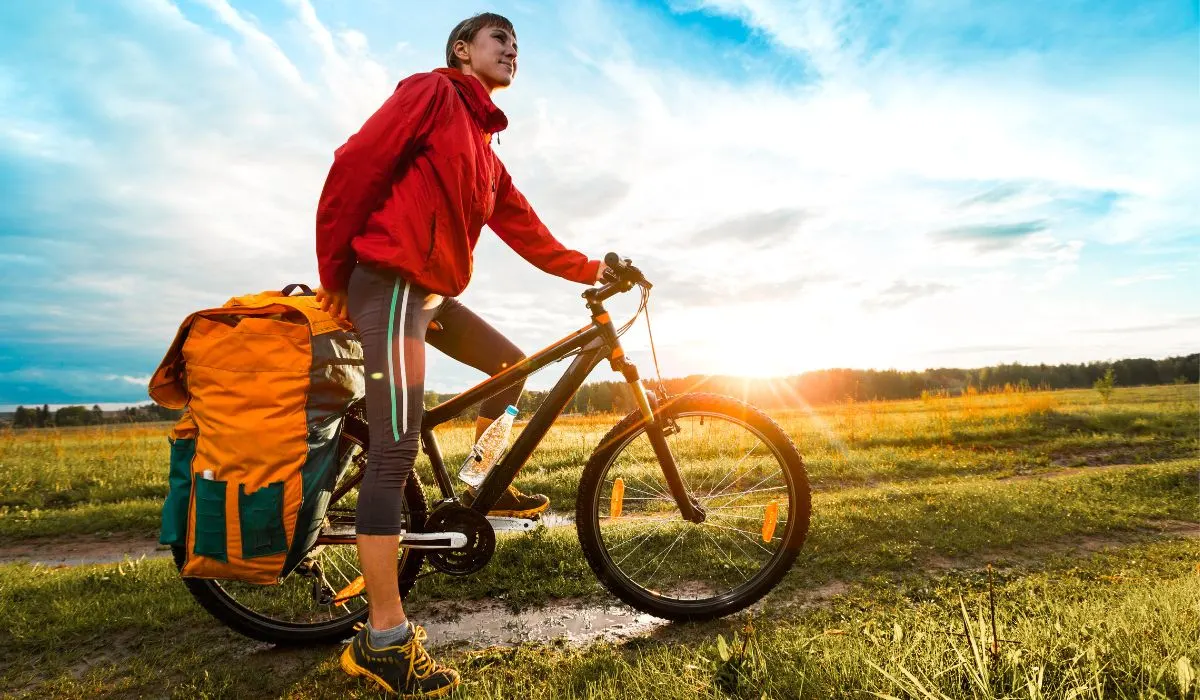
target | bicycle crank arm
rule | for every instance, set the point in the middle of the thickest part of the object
(412, 540)
(433, 540)
(501, 524)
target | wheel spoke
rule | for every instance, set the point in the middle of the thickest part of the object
(645, 538)
(727, 557)
(662, 554)
(752, 489)
(651, 489)
(731, 471)
(747, 535)
(742, 551)
(738, 472)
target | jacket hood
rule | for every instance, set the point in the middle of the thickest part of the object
(485, 112)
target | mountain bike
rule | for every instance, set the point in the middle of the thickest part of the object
(692, 507)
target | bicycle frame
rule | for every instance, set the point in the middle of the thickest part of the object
(593, 344)
(592, 347)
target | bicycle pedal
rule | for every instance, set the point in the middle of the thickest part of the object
(503, 524)
(433, 540)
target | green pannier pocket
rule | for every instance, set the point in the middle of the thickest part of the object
(210, 519)
(179, 493)
(261, 515)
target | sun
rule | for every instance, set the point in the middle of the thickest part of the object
(775, 340)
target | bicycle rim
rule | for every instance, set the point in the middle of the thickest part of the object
(739, 477)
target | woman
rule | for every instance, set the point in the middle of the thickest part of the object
(398, 219)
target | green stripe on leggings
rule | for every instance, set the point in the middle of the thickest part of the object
(391, 349)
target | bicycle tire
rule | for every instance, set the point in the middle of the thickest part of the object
(587, 517)
(224, 607)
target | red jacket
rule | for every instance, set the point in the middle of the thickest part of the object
(412, 189)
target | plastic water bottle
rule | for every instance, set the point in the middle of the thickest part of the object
(488, 449)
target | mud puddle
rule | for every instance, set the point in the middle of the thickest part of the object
(486, 623)
(77, 551)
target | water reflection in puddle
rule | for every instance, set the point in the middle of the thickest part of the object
(490, 624)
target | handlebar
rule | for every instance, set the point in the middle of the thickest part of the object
(619, 276)
(622, 270)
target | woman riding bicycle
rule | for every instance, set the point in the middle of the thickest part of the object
(397, 222)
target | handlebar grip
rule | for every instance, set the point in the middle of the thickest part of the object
(622, 270)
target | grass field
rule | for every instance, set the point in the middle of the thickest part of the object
(1088, 512)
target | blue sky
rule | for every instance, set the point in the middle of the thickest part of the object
(903, 184)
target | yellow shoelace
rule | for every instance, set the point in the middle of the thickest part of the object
(420, 664)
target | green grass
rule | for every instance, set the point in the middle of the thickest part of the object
(102, 472)
(911, 500)
(861, 532)
(1116, 622)
(133, 517)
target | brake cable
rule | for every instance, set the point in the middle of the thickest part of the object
(662, 388)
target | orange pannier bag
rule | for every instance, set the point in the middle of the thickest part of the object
(266, 380)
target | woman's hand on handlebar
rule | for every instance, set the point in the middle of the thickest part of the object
(333, 303)
(600, 272)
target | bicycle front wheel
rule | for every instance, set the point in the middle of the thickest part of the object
(745, 473)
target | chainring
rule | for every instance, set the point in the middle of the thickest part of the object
(481, 539)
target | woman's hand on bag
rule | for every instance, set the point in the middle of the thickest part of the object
(333, 303)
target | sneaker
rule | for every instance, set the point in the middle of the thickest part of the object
(405, 669)
(513, 504)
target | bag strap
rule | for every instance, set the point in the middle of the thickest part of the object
(287, 291)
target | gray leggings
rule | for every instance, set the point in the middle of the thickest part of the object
(395, 319)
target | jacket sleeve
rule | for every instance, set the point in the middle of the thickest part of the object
(514, 220)
(361, 175)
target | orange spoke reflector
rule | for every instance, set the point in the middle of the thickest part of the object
(356, 586)
(617, 498)
(770, 520)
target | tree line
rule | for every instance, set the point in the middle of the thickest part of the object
(69, 416)
(834, 385)
(812, 388)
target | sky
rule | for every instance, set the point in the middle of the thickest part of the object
(902, 184)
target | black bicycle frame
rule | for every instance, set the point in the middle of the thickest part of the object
(593, 343)
(592, 348)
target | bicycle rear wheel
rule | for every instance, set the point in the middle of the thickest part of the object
(292, 612)
(742, 469)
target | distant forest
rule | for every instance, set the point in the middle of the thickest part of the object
(833, 385)
(815, 388)
(68, 416)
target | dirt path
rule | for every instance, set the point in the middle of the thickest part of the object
(1082, 544)
(1062, 472)
(82, 549)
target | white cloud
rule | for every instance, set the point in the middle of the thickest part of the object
(225, 137)
(1144, 277)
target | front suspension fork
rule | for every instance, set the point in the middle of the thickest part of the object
(689, 507)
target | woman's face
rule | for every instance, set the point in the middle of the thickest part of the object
(491, 56)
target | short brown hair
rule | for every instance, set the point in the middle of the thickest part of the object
(469, 27)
